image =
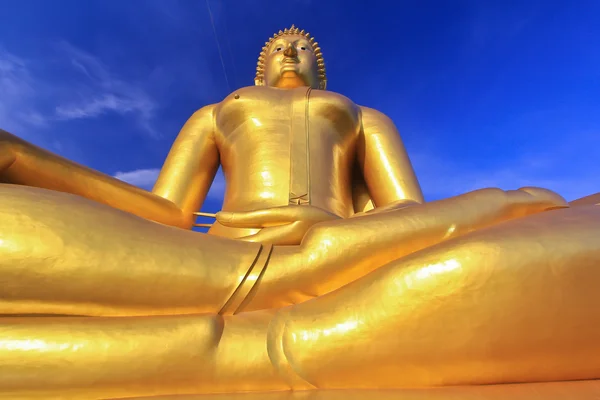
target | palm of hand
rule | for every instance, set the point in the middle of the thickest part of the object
(285, 225)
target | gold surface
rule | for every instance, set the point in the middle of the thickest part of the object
(580, 390)
(325, 269)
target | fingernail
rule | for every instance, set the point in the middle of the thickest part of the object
(224, 216)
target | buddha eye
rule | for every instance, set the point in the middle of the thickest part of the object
(279, 49)
(302, 48)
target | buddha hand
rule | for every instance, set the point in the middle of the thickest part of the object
(393, 206)
(285, 225)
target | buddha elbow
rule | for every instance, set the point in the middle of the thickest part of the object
(186, 222)
(181, 220)
(7, 150)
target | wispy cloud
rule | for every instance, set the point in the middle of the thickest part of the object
(98, 92)
(17, 94)
(89, 90)
(107, 102)
(145, 179)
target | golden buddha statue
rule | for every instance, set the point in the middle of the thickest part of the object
(325, 272)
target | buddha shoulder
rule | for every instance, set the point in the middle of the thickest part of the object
(201, 120)
(333, 99)
(371, 117)
(246, 100)
(334, 105)
(252, 94)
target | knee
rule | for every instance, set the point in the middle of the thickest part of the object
(24, 237)
(278, 339)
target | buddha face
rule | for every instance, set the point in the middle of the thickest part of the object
(290, 62)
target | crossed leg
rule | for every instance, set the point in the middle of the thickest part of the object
(63, 254)
(334, 254)
(515, 302)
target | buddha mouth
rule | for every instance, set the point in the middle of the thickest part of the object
(289, 66)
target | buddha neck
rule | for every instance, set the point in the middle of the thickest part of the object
(290, 80)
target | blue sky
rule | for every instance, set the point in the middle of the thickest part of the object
(484, 93)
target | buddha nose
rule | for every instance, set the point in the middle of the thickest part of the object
(290, 51)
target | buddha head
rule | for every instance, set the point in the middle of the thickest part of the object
(291, 58)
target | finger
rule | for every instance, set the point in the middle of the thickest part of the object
(283, 235)
(546, 196)
(531, 200)
(391, 207)
(259, 218)
(387, 208)
(271, 217)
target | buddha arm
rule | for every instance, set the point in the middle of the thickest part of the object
(25, 164)
(384, 162)
(181, 187)
(191, 165)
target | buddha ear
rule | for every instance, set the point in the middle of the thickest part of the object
(323, 84)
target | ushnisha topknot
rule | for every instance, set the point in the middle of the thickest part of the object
(258, 80)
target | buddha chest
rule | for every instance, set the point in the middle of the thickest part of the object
(291, 138)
